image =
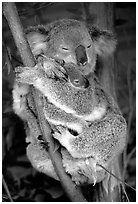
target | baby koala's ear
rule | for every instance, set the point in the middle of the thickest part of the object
(104, 41)
(37, 38)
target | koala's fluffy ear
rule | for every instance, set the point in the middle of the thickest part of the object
(105, 41)
(37, 38)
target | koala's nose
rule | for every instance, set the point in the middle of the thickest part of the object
(83, 61)
(81, 55)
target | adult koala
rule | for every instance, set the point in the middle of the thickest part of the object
(70, 40)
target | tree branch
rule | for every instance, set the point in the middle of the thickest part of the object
(72, 191)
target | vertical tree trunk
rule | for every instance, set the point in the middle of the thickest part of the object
(103, 18)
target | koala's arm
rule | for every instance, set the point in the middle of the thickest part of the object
(40, 75)
(50, 80)
(56, 116)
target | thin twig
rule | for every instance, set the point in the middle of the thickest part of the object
(6, 189)
(131, 154)
(123, 182)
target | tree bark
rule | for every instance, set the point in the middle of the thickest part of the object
(102, 15)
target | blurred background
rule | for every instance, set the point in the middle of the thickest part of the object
(23, 182)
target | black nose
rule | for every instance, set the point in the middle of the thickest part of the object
(81, 55)
(83, 61)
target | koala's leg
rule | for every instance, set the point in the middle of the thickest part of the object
(19, 99)
(40, 160)
(102, 141)
(22, 98)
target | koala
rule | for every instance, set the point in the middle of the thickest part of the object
(72, 41)
(87, 121)
(72, 49)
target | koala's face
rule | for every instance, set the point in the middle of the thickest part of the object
(71, 41)
(73, 44)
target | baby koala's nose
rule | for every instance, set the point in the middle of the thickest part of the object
(75, 76)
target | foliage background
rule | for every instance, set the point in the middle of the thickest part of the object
(24, 183)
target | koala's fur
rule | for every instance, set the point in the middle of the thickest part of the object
(68, 105)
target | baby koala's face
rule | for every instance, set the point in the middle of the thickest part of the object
(69, 70)
(75, 76)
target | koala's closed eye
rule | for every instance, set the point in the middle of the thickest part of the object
(88, 46)
(64, 48)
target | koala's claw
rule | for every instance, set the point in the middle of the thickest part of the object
(18, 72)
(60, 73)
(61, 129)
(60, 61)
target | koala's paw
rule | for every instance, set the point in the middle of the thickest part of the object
(61, 129)
(26, 75)
(21, 74)
(64, 137)
(60, 73)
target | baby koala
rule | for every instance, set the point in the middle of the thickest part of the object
(87, 120)
(65, 104)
